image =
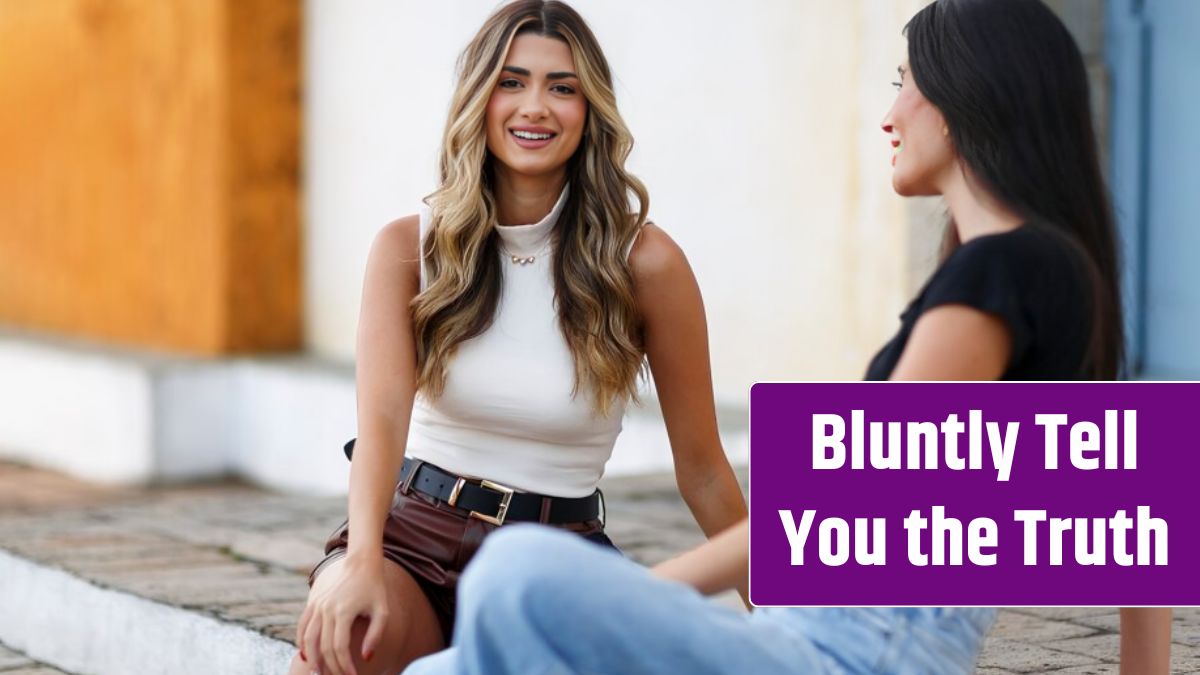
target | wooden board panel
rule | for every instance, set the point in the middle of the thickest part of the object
(123, 181)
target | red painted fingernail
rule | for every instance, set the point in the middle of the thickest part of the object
(303, 657)
(369, 655)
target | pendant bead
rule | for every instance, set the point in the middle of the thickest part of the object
(521, 260)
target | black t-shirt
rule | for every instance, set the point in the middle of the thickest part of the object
(1034, 280)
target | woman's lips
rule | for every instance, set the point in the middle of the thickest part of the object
(532, 140)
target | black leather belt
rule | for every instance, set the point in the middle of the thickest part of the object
(495, 503)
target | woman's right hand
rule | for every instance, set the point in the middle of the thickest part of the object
(340, 596)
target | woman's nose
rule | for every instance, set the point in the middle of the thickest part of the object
(533, 107)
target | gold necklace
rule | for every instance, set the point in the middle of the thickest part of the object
(523, 260)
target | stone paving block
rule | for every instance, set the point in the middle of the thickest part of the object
(1184, 657)
(1186, 626)
(1017, 626)
(217, 575)
(1105, 647)
(190, 531)
(218, 587)
(211, 601)
(220, 579)
(264, 623)
(282, 550)
(39, 531)
(60, 551)
(175, 557)
(1022, 657)
(106, 535)
(1064, 613)
(245, 612)
(285, 633)
(1110, 622)
(27, 489)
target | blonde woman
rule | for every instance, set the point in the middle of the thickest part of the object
(502, 333)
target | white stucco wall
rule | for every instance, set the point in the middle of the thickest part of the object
(757, 128)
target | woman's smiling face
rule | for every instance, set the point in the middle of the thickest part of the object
(536, 114)
(922, 150)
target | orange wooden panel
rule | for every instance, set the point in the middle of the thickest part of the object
(129, 195)
(264, 293)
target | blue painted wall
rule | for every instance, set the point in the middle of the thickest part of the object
(1153, 52)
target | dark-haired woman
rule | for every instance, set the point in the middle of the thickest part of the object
(501, 336)
(1028, 285)
(992, 114)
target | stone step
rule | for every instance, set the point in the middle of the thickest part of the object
(175, 580)
(203, 578)
(211, 578)
(86, 627)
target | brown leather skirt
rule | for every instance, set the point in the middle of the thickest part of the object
(433, 542)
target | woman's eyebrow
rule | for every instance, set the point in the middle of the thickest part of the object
(524, 72)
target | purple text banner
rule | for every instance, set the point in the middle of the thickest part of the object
(975, 494)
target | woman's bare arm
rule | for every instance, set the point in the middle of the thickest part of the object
(385, 376)
(676, 341)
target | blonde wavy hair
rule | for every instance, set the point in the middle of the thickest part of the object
(594, 294)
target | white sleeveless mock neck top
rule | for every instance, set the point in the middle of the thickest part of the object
(507, 413)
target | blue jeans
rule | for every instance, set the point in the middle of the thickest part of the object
(540, 602)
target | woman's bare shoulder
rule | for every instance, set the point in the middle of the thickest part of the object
(397, 245)
(655, 255)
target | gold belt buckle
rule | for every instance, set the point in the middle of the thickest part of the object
(455, 491)
(506, 497)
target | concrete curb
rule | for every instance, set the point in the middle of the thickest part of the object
(81, 627)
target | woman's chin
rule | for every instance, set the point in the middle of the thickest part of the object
(534, 168)
(900, 187)
(908, 188)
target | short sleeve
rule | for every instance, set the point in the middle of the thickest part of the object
(986, 274)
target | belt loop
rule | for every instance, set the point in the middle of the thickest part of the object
(603, 508)
(544, 514)
(406, 485)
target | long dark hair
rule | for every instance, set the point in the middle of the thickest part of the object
(1010, 82)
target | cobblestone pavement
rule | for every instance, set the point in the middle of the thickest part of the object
(240, 554)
